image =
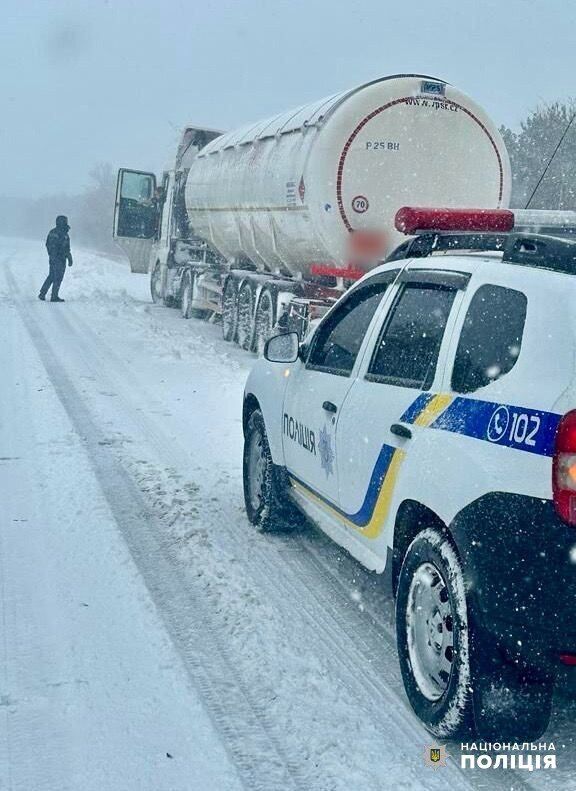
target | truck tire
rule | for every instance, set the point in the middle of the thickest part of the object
(229, 310)
(156, 285)
(245, 322)
(187, 299)
(186, 296)
(266, 497)
(450, 676)
(264, 322)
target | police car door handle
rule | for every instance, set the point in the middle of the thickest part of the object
(401, 431)
(329, 406)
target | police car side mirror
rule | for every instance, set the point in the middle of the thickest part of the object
(282, 348)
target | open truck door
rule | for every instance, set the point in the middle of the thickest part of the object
(136, 216)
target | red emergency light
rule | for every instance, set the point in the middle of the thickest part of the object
(412, 219)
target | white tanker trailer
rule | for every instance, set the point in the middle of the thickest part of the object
(280, 216)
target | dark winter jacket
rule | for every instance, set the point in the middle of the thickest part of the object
(58, 245)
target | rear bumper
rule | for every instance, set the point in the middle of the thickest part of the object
(521, 578)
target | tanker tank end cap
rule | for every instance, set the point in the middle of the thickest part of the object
(411, 220)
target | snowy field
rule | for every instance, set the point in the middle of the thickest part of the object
(150, 640)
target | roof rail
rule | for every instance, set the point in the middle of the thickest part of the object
(543, 251)
(555, 253)
(426, 244)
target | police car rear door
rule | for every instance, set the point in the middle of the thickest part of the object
(393, 397)
(317, 388)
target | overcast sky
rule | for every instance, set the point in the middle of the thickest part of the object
(86, 81)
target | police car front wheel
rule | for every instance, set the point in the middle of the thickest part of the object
(265, 494)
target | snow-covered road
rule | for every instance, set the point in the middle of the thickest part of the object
(149, 639)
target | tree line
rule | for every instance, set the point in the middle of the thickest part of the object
(90, 213)
(530, 148)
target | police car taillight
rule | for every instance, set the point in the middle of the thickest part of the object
(564, 468)
(415, 219)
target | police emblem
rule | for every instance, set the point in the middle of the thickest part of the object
(326, 452)
(435, 756)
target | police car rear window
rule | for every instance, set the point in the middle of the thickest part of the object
(490, 339)
(407, 351)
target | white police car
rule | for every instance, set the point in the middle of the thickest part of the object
(429, 427)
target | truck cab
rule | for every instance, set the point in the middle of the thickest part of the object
(151, 223)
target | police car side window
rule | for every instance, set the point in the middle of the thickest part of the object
(339, 338)
(407, 351)
(491, 337)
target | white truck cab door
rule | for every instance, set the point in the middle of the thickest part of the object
(318, 387)
(136, 216)
(394, 398)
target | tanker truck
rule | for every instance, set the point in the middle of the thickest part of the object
(274, 220)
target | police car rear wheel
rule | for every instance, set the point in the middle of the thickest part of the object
(432, 633)
(265, 497)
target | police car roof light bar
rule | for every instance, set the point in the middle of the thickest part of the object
(414, 219)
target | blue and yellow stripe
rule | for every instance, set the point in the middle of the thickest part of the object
(370, 519)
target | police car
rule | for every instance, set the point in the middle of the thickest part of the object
(429, 427)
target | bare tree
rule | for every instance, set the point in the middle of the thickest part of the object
(530, 150)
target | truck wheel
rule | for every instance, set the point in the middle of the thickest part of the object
(245, 315)
(455, 680)
(264, 323)
(187, 299)
(229, 312)
(265, 496)
(186, 296)
(156, 284)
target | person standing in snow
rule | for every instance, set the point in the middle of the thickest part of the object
(58, 246)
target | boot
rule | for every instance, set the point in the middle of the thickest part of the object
(57, 299)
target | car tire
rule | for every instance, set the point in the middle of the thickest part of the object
(266, 498)
(456, 680)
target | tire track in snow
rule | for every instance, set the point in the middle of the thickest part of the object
(255, 751)
(355, 643)
(351, 645)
